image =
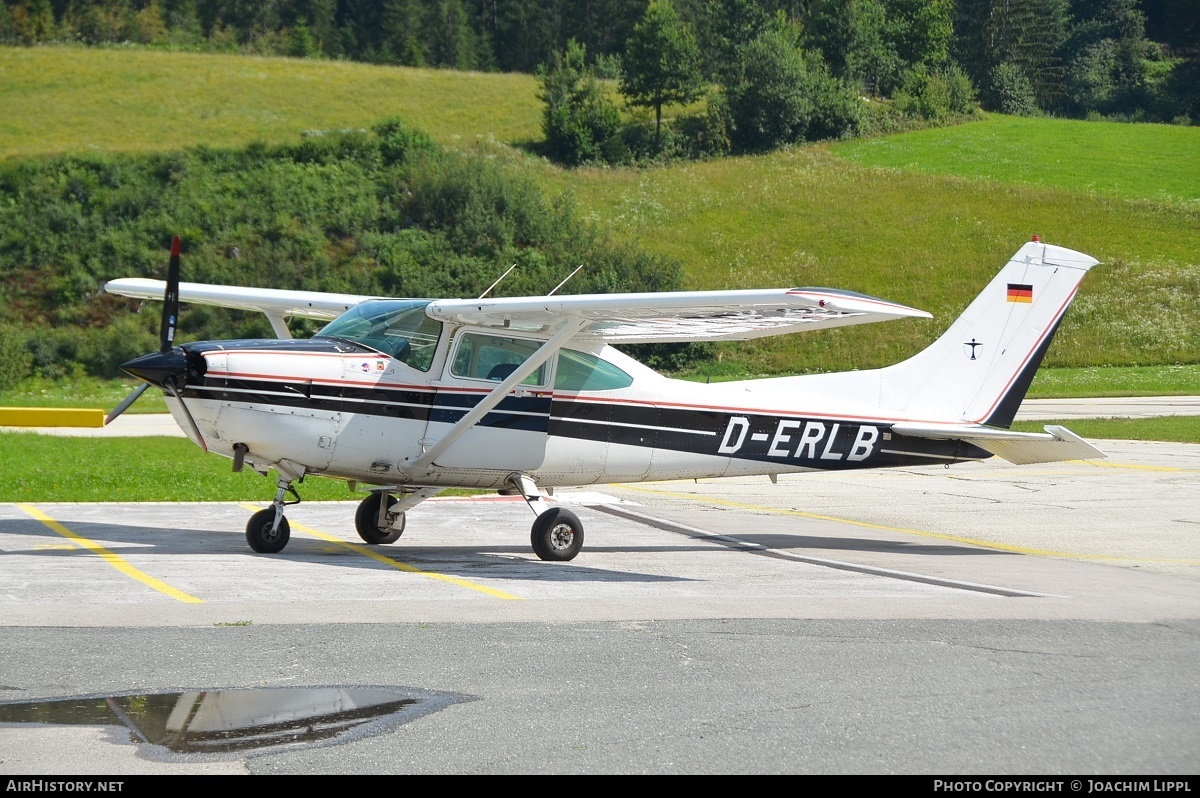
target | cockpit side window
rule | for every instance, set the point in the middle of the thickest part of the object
(396, 327)
(493, 358)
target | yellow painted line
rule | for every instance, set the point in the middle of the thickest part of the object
(939, 536)
(1136, 467)
(366, 551)
(50, 417)
(112, 559)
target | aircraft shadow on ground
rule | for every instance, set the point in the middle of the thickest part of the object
(493, 562)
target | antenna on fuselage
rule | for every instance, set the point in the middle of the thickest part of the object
(564, 282)
(498, 279)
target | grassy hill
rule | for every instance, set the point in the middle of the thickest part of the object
(923, 219)
(60, 100)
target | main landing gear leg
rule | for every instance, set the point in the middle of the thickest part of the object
(268, 531)
(380, 517)
(557, 534)
(375, 520)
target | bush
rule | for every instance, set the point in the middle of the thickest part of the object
(102, 351)
(837, 108)
(398, 142)
(936, 95)
(963, 99)
(16, 362)
(704, 134)
(1012, 92)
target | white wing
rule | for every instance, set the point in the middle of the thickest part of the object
(613, 318)
(679, 315)
(271, 301)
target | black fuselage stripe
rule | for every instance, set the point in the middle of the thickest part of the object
(786, 441)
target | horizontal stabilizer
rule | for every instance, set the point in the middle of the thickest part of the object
(1022, 448)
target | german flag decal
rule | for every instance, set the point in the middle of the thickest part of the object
(1020, 293)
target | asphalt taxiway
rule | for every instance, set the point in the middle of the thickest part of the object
(1070, 540)
(986, 618)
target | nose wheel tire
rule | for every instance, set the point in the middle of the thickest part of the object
(557, 535)
(366, 520)
(259, 534)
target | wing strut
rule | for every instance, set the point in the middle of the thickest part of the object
(278, 325)
(544, 353)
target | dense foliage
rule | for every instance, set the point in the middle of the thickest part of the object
(382, 212)
(1137, 59)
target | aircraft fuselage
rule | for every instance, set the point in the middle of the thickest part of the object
(365, 416)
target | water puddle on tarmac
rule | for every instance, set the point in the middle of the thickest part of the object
(234, 722)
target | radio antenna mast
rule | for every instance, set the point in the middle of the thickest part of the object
(564, 282)
(493, 285)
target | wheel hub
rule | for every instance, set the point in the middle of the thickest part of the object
(561, 536)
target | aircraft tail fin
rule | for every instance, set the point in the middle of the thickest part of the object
(979, 370)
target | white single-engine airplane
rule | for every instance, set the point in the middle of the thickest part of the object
(411, 396)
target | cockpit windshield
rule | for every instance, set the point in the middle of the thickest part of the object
(396, 327)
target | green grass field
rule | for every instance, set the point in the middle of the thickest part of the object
(806, 216)
(1178, 429)
(1159, 163)
(46, 468)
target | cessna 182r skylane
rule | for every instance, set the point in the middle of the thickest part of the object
(411, 396)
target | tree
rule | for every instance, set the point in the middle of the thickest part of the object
(402, 29)
(662, 62)
(731, 25)
(779, 95)
(1107, 57)
(768, 105)
(581, 124)
(1028, 35)
(875, 42)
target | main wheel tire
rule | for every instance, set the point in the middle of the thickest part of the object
(259, 536)
(557, 535)
(366, 520)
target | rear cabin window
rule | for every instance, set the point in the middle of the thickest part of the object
(579, 371)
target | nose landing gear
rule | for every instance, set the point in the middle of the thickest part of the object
(557, 535)
(268, 531)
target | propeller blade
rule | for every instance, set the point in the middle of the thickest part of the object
(170, 318)
(170, 314)
(126, 402)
